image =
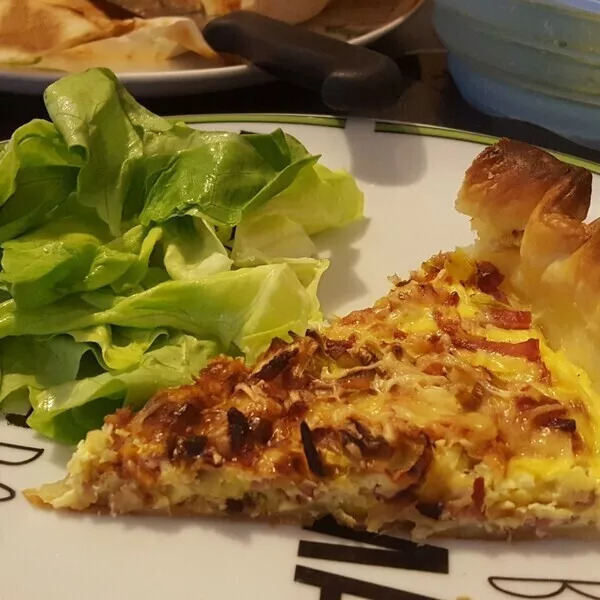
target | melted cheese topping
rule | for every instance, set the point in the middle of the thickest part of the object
(442, 405)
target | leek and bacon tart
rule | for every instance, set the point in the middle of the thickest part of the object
(442, 407)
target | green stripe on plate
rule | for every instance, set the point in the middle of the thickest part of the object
(336, 122)
(468, 136)
(380, 126)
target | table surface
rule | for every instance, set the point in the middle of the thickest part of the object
(429, 97)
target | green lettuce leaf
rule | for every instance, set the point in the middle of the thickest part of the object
(319, 199)
(260, 239)
(105, 126)
(130, 155)
(192, 250)
(71, 255)
(29, 362)
(37, 174)
(118, 348)
(222, 175)
(66, 412)
(242, 307)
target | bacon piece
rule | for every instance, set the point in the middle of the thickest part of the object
(359, 317)
(435, 368)
(360, 381)
(509, 319)
(529, 349)
(545, 374)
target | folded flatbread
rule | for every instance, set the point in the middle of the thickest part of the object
(152, 44)
(32, 28)
(71, 35)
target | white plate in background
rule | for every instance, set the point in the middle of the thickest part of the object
(359, 22)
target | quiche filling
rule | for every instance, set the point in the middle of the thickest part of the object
(441, 408)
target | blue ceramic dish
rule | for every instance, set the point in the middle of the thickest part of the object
(532, 60)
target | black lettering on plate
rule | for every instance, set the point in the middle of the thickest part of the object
(18, 420)
(398, 553)
(30, 454)
(34, 454)
(526, 587)
(333, 587)
(6, 493)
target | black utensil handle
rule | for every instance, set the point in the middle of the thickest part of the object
(349, 78)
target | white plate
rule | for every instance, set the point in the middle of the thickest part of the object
(359, 22)
(410, 175)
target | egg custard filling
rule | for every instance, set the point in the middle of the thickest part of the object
(456, 405)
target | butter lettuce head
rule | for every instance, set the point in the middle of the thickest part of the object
(134, 249)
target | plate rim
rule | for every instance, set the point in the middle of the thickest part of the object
(380, 126)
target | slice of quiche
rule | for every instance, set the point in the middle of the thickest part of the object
(444, 408)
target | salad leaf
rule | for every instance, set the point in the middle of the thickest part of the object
(193, 251)
(72, 255)
(142, 243)
(66, 412)
(240, 307)
(319, 199)
(37, 144)
(28, 362)
(37, 174)
(223, 175)
(260, 239)
(104, 125)
(118, 348)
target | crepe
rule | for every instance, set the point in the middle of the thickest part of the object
(72, 35)
(152, 44)
(31, 28)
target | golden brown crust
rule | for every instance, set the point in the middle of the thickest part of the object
(419, 530)
(554, 257)
(508, 181)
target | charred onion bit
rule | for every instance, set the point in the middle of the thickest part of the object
(239, 428)
(567, 425)
(430, 510)
(488, 279)
(313, 458)
(478, 495)
(277, 364)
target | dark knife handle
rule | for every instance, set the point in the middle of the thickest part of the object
(349, 78)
